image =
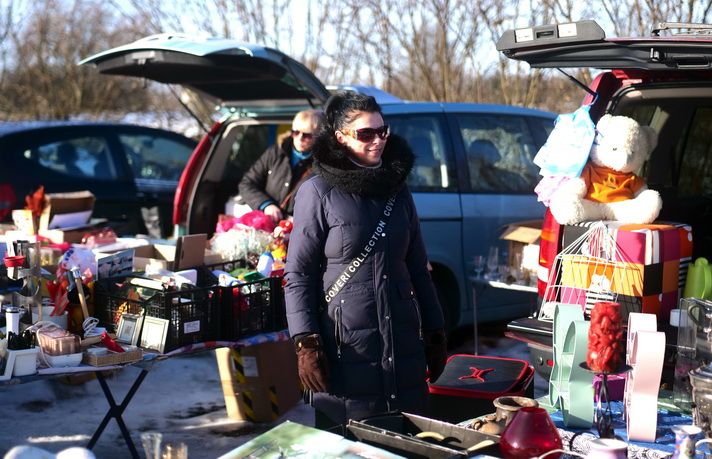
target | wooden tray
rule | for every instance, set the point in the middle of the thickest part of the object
(112, 358)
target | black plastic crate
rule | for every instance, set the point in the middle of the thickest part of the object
(193, 312)
(228, 266)
(252, 308)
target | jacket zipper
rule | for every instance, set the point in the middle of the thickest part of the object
(420, 319)
(337, 330)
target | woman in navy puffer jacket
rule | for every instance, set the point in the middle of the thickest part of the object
(361, 305)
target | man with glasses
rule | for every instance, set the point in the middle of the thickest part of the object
(272, 182)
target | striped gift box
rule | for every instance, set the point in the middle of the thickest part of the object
(647, 272)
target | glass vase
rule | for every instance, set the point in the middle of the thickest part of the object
(531, 433)
(685, 439)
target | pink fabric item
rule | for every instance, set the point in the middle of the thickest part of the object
(547, 185)
(257, 219)
(226, 224)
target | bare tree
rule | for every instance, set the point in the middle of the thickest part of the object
(638, 17)
(425, 49)
(438, 50)
(45, 81)
(6, 23)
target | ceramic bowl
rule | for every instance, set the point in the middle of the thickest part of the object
(507, 406)
(68, 360)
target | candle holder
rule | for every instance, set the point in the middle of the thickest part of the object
(603, 415)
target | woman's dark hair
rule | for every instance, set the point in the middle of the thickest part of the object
(340, 106)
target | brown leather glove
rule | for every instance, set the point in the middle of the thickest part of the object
(435, 353)
(312, 365)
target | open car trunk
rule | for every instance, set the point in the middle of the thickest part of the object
(663, 82)
(242, 141)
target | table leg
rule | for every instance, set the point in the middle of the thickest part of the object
(475, 335)
(115, 411)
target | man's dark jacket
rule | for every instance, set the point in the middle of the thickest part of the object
(271, 178)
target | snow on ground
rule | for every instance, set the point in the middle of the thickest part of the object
(180, 397)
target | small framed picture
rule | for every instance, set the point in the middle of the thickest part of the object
(129, 328)
(154, 333)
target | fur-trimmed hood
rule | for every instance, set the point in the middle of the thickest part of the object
(331, 161)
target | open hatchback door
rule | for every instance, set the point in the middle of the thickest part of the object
(584, 44)
(663, 81)
(230, 72)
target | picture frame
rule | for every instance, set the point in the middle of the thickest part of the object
(154, 333)
(129, 328)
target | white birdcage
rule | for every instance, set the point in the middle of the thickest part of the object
(593, 269)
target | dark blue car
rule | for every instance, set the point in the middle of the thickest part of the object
(133, 171)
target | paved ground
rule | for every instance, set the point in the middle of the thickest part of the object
(180, 397)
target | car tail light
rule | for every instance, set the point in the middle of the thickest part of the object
(190, 174)
(7, 200)
(548, 249)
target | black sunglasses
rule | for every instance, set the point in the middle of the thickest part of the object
(305, 135)
(368, 134)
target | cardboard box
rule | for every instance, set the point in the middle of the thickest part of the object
(24, 221)
(65, 217)
(214, 258)
(68, 235)
(260, 383)
(188, 252)
(523, 238)
(67, 210)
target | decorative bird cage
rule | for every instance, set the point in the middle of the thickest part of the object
(589, 270)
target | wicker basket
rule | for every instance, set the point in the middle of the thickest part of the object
(112, 358)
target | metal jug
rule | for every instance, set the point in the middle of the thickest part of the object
(700, 312)
(701, 381)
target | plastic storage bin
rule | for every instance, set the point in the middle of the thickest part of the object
(398, 433)
(193, 312)
(252, 308)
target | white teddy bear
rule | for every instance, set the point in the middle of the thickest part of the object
(608, 188)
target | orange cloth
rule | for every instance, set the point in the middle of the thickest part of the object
(607, 185)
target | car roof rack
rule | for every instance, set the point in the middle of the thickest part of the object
(692, 28)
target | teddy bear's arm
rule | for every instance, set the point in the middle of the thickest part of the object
(643, 208)
(568, 205)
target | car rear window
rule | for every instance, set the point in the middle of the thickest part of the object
(75, 157)
(152, 156)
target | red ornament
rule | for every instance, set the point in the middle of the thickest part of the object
(604, 338)
(110, 343)
(36, 201)
(286, 225)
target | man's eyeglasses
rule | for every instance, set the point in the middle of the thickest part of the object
(305, 135)
(368, 134)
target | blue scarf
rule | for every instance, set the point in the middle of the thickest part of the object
(298, 156)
